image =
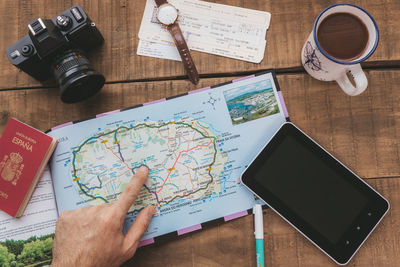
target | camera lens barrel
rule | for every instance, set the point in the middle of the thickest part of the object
(76, 77)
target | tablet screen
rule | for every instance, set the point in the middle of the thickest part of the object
(311, 188)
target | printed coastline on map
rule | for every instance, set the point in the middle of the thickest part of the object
(182, 157)
(196, 146)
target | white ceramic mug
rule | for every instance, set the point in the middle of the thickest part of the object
(324, 67)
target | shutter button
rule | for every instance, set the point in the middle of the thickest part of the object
(27, 50)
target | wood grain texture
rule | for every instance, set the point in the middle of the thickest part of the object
(232, 243)
(363, 132)
(119, 21)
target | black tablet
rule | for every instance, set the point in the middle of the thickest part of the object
(315, 193)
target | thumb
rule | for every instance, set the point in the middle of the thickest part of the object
(139, 226)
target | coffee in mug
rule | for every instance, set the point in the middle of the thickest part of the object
(343, 36)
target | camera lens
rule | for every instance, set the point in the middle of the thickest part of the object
(76, 76)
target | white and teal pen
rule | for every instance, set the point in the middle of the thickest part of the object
(259, 234)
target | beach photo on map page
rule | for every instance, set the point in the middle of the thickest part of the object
(250, 102)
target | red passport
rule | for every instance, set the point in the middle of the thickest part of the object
(24, 152)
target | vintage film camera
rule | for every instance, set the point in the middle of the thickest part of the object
(57, 46)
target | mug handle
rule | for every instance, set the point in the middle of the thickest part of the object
(359, 78)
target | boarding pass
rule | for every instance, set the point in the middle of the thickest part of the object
(208, 27)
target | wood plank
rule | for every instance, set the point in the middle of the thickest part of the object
(363, 132)
(232, 243)
(119, 21)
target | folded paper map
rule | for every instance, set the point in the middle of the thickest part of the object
(195, 146)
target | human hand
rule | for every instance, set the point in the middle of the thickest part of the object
(92, 236)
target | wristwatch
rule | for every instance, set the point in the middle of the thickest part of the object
(167, 15)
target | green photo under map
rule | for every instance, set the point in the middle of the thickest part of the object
(34, 251)
(250, 102)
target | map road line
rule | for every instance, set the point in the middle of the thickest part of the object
(180, 153)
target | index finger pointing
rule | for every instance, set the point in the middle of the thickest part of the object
(132, 190)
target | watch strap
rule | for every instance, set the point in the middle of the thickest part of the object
(160, 2)
(184, 52)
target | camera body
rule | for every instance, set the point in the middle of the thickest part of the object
(57, 47)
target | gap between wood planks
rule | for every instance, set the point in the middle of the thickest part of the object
(381, 178)
(372, 65)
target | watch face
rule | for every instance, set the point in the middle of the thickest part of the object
(167, 14)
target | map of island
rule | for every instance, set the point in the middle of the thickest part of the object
(196, 146)
(182, 157)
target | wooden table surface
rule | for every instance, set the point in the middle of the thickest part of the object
(363, 132)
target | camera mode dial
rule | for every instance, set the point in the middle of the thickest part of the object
(64, 22)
